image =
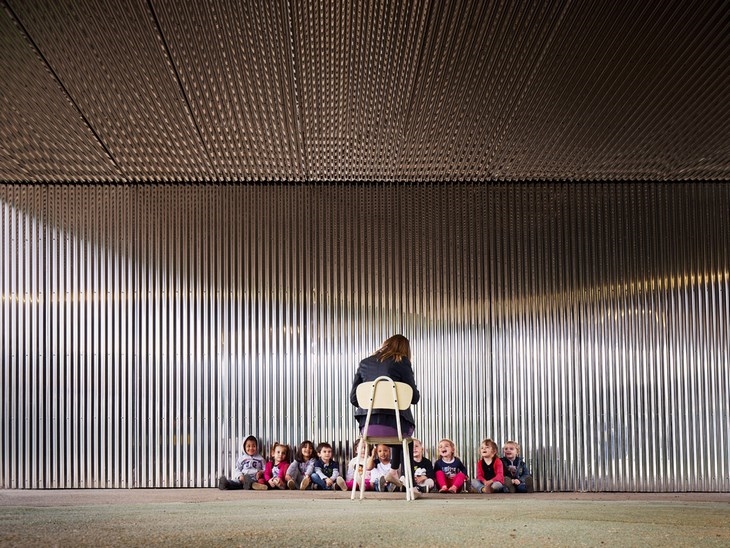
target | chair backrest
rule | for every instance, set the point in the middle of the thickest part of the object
(385, 393)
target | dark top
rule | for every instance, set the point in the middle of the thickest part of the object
(422, 468)
(369, 370)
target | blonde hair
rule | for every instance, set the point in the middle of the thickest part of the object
(517, 445)
(451, 443)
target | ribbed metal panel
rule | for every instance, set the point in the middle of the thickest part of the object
(146, 330)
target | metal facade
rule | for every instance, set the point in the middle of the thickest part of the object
(147, 329)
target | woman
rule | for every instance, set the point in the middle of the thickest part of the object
(393, 360)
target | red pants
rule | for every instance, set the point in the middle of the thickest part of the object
(457, 481)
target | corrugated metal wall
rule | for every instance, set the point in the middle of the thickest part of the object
(146, 330)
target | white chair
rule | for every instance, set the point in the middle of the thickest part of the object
(385, 393)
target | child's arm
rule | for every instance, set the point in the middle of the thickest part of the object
(498, 471)
(318, 470)
(290, 470)
(525, 472)
(269, 471)
(262, 464)
(462, 468)
(310, 468)
(480, 473)
(238, 472)
(371, 459)
(430, 473)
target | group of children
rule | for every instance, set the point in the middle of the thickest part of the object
(309, 467)
(317, 469)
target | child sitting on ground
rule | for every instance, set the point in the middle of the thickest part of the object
(277, 466)
(356, 477)
(326, 470)
(381, 473)
(248, 470)
(423, 474)
(449, 471)
(299, 473)
(517, 476)
(490, 477)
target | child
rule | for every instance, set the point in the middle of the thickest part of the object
(326, 471)
(351, 476)
(490, 478)
(248, 470)
(381, 472)
(422, 469)
(299, 473)
(517, 477)
(449, 471)
(277, 466)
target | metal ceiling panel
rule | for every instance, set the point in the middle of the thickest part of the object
(310, 91)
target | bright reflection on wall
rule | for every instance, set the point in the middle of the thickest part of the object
(146, 330)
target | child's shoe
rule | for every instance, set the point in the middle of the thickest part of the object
(305, 483)
(381, 484)
(259, 486)
(341, 483)
(444, 489)
(392, 478)
(223, 483)
(291, 485)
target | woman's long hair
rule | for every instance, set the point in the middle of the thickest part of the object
(396, 347)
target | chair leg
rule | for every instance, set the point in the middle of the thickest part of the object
(362, 478)
(408, 471)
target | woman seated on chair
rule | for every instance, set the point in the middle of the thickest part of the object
(393, 360)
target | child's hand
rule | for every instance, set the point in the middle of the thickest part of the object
(329, 482)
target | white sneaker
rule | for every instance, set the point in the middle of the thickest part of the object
(392, 477)
(341, 483)
(416, 493)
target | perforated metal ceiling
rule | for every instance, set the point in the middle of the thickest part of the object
(305, 90)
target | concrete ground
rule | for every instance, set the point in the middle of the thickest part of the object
(209, 517)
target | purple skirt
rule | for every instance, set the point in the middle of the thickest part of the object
(385, 431)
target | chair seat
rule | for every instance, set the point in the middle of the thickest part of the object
(375, 440)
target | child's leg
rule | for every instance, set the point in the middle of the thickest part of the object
(497, 487)
(441, 479)
(458, 482)
(318, 481)
(477, 485)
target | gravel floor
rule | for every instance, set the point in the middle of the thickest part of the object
(208, 517)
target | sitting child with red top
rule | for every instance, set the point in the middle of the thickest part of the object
(490, 475)
(276, 466)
